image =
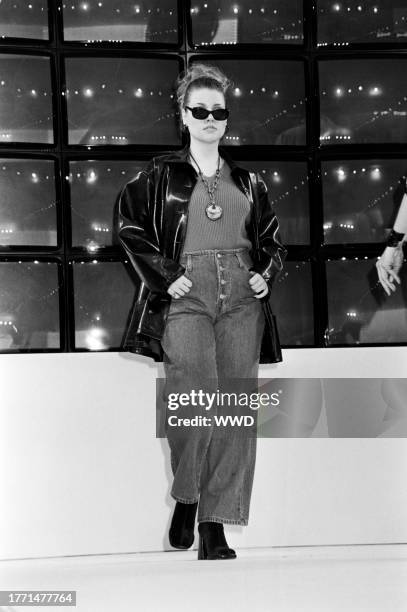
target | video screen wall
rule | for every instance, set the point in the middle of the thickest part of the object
(318, 107)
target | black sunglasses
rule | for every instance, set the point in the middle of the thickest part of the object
(219, 114)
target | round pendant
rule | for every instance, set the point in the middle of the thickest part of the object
(213, 211)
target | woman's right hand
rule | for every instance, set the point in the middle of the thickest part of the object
(179, 287)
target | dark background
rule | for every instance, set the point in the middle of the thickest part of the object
(318, 107)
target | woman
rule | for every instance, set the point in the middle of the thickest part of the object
(204, 239)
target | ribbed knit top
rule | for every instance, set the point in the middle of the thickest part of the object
(227, 232)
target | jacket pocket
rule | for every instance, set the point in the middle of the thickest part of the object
(153, 316)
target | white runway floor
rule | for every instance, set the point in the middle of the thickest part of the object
(293, 579)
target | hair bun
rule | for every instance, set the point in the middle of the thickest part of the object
(208, 71)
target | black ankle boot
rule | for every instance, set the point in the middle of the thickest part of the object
(181, 534)
(212, 542)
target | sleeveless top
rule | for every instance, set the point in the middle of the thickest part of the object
(227, 232)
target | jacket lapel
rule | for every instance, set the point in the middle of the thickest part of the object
(186, 177)
(240, 175)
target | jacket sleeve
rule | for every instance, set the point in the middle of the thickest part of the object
(271, 253)
(139, 234)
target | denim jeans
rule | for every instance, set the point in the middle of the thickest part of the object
(213, 334)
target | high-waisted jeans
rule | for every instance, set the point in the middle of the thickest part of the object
(213, 333)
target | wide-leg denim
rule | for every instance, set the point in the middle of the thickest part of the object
(213, 334)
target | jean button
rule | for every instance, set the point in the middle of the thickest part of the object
(222, 296)
(221, 268)
(222, 282)
(219, 255)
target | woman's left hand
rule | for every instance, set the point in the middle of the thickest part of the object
(388, 266)
(258, 285)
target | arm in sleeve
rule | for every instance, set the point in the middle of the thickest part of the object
(139, 235)
(271, 253)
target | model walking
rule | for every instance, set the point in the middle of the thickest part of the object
(204, 239)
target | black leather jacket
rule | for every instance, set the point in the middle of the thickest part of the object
(151, 227)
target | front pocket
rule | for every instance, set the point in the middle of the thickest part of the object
(244, 259)
(186, 261)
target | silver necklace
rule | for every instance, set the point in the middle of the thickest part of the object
(213, 211)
